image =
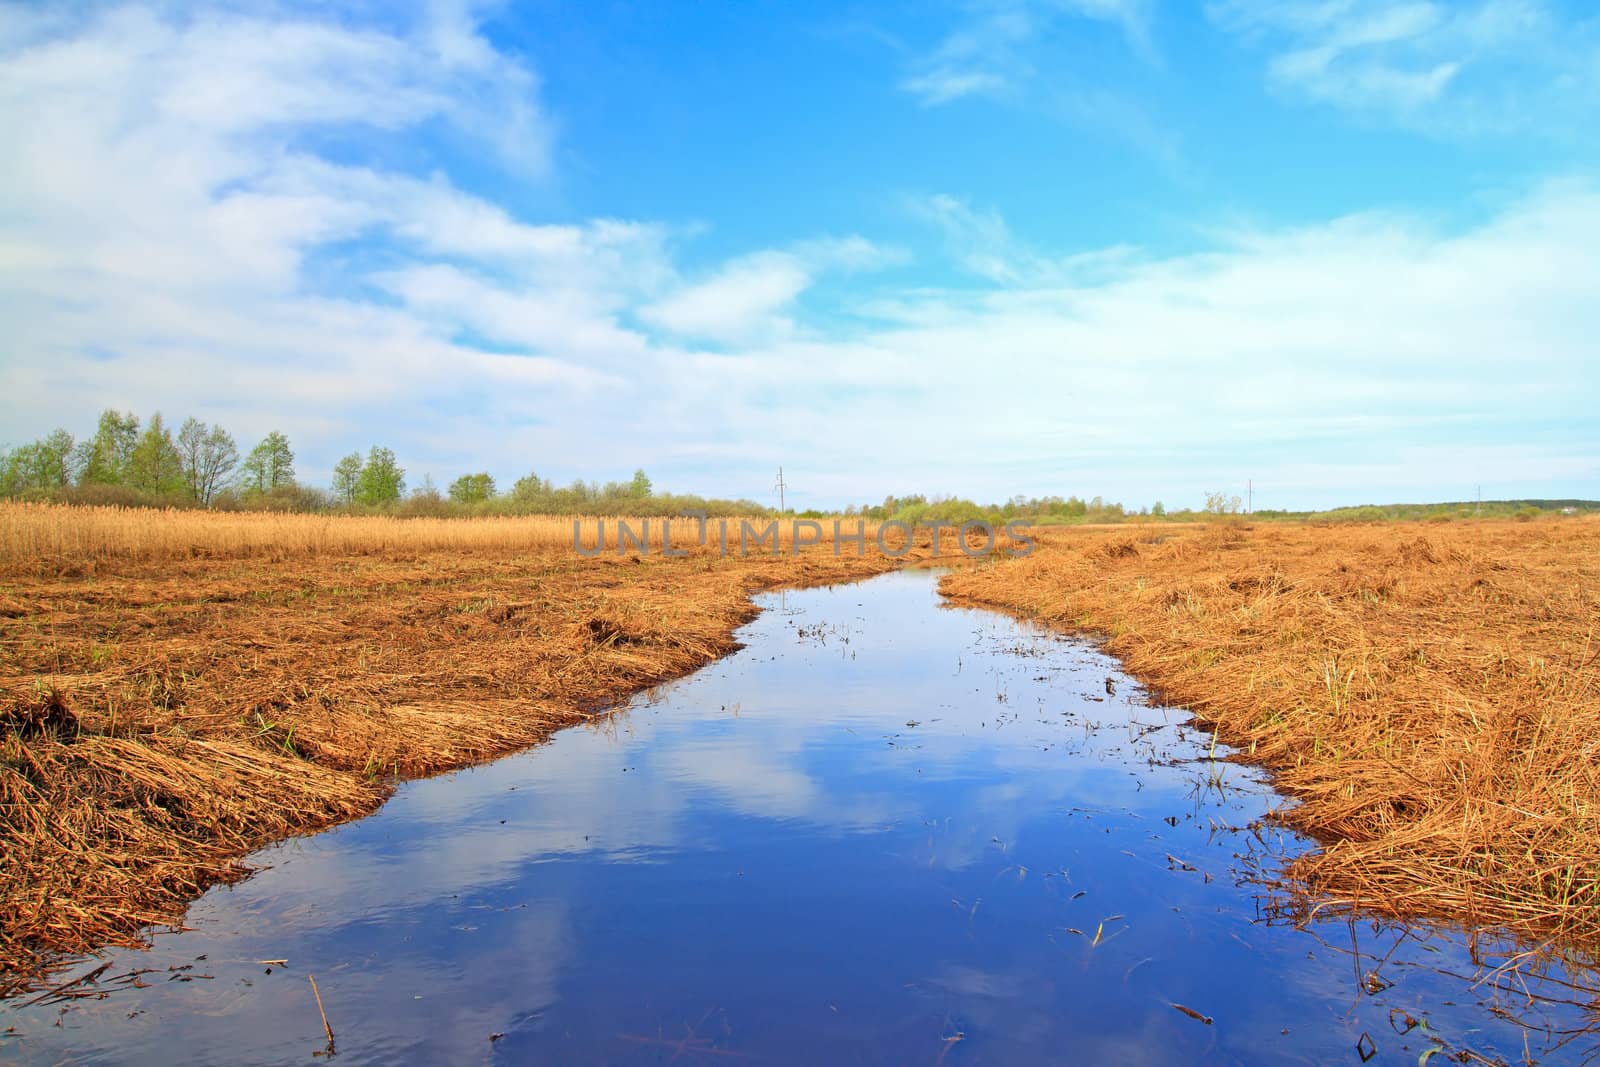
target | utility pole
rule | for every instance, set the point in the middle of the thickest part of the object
(780, 488)
(1249, 497)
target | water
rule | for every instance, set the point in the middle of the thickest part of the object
(885, 832)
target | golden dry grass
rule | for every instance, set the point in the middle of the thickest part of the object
(1429, 693)
(35, 533)
(177, 689)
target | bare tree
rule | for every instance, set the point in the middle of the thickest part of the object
(207, 456)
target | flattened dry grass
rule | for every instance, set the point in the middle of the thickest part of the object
(165, 712)
(1430, 693)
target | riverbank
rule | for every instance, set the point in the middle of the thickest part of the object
(163, 713)
(1428, 693)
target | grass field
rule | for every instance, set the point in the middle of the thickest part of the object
(177, 689)
(1428, 693)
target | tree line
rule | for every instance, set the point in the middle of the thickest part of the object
(128, 463)
(198, 463)
(1044, 510)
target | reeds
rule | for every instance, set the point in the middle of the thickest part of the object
(1430, 695)
(58, 533)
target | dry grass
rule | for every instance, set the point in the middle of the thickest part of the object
(34, 533)
(177, 690)
(1430, 693)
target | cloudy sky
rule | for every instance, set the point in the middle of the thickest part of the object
(1347, 249)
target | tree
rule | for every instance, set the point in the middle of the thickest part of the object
(530, 488)
(269, 465)
(1158, 509)
(55, 460)
(44, 465)
(381, 480)
(347, 477)
(154, 466)
(640, 486)
(207, 455)
(103, 458)
(1222, 504)
(472, 488)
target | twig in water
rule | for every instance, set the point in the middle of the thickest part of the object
(330, 1050)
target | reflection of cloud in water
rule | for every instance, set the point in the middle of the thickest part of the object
(764, 778)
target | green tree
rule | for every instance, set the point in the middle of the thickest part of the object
(269, 465)
(528, 489)
(381, 480)
(55, 460)
(1159, 509)
(640, 486)
(154, 466)
(42, 466)
(103, 458)
(347, 477)
(207, 455)
(472, 488)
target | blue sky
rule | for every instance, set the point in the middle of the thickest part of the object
(1346, 249)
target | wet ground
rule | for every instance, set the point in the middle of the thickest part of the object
(887, 831)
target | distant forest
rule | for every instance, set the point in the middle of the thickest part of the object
(132, 464)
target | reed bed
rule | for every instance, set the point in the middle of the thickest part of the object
(46, 533)
(174, 696)
(1428, 693)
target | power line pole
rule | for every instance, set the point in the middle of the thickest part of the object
(780, 488)
(1249, 497)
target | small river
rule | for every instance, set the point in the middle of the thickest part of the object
(886, 831)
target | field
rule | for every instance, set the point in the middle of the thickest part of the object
(1428, 693)
(177, 689)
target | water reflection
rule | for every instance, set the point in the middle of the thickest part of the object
(882, 832)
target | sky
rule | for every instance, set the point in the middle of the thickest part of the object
(1342, 251)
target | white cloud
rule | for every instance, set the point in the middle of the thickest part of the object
(989, 53)
(1012, 51)
(748, 298)
(985, 246)
(1133, 16)
(943, 83)
(981, 58)
(1472, 67)
(741, 299)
